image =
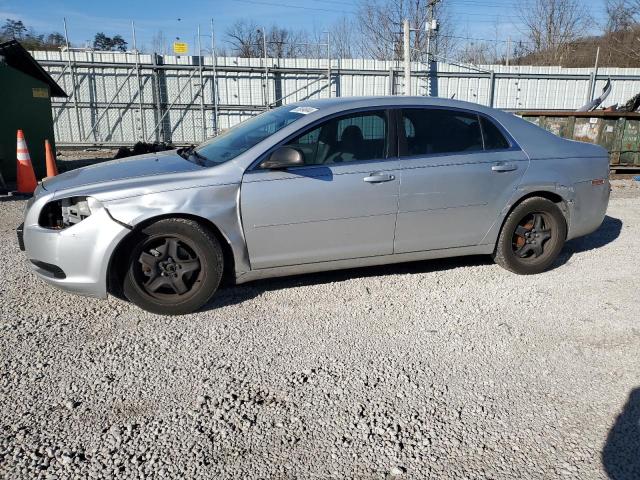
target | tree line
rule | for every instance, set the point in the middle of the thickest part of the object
(32, 40)
(16, 29)
(551, 32)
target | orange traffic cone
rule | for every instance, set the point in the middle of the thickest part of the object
(25, 175)
(52, 169)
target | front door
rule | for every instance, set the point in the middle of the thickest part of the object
(341, 204)
(458, 172)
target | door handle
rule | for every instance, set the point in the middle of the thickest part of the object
(376, 177)
(503, 167)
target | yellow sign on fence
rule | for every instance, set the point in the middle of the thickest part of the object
(180, 47)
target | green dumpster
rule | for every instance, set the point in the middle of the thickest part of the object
(25, 103)
(618, 132)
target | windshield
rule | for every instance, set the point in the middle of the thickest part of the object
(245, 135)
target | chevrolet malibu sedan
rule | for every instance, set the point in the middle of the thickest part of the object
(318, 185)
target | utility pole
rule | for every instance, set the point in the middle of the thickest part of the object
(508, 50)
(407, 56)
(430, 27)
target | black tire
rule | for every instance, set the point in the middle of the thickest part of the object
(157, 282)
(531, 237)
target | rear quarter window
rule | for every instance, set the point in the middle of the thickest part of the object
(493, 137)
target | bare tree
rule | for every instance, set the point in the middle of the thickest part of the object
(477, 53)
(380, 23)
(159, 43)
(245, 39)
(620, 41)
(285, 43)
(622, 14)
(484, 52)
(550, 26)
(343, 38)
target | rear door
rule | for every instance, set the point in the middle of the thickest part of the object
(459, 169)
(341, 204)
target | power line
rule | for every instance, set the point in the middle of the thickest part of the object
(285, 5)
(494, 40)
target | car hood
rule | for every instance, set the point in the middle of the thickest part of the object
(147, 165)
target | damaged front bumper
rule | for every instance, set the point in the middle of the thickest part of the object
(75, 259)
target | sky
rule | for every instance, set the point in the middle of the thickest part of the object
(482, 19)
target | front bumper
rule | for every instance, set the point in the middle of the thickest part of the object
(81, 252)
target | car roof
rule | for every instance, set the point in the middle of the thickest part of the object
(388, 101)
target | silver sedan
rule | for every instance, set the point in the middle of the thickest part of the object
(318, 185)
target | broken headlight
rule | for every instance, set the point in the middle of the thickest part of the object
(66, 212)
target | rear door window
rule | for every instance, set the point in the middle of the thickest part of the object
(439, 131)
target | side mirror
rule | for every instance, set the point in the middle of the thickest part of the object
(283, 157)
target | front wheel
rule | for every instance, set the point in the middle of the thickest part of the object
(532, 237)
(174, 267)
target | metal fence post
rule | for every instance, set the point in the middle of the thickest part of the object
(202, 114)
(592, 89)
(73, 81)
(215, 81)
(492, 87)
(592, 82)
(329, 63)
(265, 86)
(140, 101)
(407, 57)
(159, 132)
(93, 102)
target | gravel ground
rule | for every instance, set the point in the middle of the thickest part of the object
(442, 369)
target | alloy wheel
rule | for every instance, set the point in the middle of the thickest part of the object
(531, 235)
(169, 267)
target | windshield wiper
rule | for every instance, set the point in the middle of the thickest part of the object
(188, 152)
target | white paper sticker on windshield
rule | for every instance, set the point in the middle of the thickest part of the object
(304, 110)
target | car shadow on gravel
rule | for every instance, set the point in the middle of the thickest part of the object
(607, 233)
(13, 198)
(231, 295)
(621, 452)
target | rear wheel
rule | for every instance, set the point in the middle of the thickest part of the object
(532, 237)
(174, 267)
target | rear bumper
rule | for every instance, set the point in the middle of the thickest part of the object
(75, 259)
(588, 208)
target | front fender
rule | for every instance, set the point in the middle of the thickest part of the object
(217, 204)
